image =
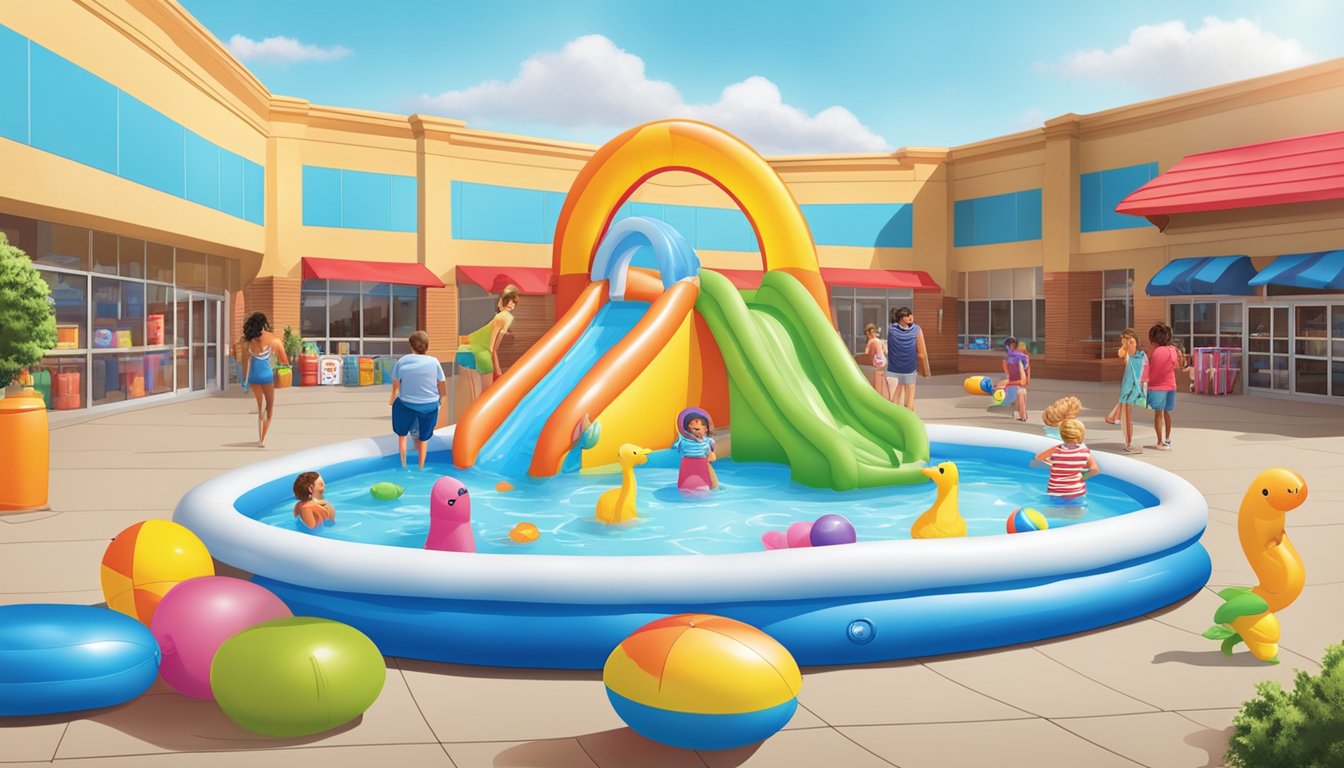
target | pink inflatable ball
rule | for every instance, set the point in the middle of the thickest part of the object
(195, 618)
(798, 535)
(832, 529)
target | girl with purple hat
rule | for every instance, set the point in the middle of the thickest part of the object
(697, 451)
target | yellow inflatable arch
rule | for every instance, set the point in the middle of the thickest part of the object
(622, 164)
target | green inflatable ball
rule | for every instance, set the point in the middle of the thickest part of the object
(296, 676)
(387, 491)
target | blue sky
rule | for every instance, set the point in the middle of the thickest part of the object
(787, 76)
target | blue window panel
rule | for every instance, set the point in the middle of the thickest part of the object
(74, 113)
(404, 204)
(321, 196)
(150, 150)
(202, 171)
(1028, 215)
(501, 214)
(996, 219)
(872, 225)
(646, 210)
(254, 192)
(551, 205)
(963, 223)
(1116, 185)
(682, 219)
(13, 85)
(723, 229)
(366, 200)
(230, 183)
(455, 192)
(1089, 202)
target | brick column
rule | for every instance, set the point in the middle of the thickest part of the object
(277, 297)
(1068, 316)
(440, 321)
(941, 345)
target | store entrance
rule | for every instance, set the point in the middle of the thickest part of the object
(1296, 348)
(199, 346)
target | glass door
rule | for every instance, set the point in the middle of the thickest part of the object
(1311, 349)
(198, 346)
(1267, 347)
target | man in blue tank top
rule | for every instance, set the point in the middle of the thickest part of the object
(906, 356)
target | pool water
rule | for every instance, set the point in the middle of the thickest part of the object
(753, 498)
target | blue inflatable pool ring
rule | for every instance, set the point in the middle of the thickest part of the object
(64, 658)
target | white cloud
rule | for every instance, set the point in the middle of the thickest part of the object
(593, 84)
(282, 50)
(1169, 57)
(1032, 118)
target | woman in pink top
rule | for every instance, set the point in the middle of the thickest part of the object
(1160, 377)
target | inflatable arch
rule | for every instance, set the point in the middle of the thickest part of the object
(616, 170)
(675, 258)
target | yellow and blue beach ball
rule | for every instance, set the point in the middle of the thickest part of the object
(1026, 519)
(699, 681)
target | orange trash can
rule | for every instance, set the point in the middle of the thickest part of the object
(24, 452)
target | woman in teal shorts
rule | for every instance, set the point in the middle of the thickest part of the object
(479, 357)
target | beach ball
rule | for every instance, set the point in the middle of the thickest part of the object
(699, 681)
(197, 616)
(832, 529)
(1025, 519)
(296, 676)
(146, 560)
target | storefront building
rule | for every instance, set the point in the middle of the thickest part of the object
(165, 193)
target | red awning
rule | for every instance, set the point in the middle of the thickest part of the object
(879, 278)
(395, 272)
(1296, 170)
(747, 279)
(531, 281)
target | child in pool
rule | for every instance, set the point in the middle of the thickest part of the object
(1071, 464)
(1058, 412)
(311, 508)
(696, 447)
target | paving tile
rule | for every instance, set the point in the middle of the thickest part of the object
(1168, 667)
(77, 525)
(1034, 683)
(464, 703)
(1217, 719)
(37, 567)
(1031, 743)
(798, 749)
(552, 753)
(1314, 621)
(1168, 739)
(31, 738)
(159, 487)
(895, 693)
(399, 755)
(623, 747)
(82, 597)
(165, 721)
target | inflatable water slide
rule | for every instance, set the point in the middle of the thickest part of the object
(633, 346)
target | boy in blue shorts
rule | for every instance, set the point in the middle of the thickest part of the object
(419, 389)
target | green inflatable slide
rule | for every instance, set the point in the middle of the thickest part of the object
(797, 396)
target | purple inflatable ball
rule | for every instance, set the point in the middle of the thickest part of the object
(832, 529)
(195, 618)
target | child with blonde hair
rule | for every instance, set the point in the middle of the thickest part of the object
(1058, 412)
(1071, 463)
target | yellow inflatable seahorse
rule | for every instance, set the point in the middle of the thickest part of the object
(1247, 615)
(618, 504)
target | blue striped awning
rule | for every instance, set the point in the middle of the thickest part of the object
(1322, 271)
(1205, 275)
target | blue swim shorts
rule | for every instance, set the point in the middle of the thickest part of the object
(404, 416)
(1162, 400)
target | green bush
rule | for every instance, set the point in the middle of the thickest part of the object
(1303, 728)
(293, 344)
(27, 319)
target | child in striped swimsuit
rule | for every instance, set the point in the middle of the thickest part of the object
(1071, 464)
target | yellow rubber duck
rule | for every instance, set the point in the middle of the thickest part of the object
(942, 520)
(1247, 615)
(618, 504)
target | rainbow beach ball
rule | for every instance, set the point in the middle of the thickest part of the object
(146, 560)
(1026, 519)
(699, 681)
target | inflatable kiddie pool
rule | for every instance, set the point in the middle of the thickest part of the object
(870, 601)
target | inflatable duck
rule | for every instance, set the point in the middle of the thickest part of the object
(942, 520)
(618, 504)
(450, 517)
(1248, 615)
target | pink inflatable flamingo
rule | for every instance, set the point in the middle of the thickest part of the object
(450, 517)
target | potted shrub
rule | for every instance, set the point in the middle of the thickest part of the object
(1301, 728)
(27, 331)
(293, 344)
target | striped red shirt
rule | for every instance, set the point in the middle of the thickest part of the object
(1067, 465)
